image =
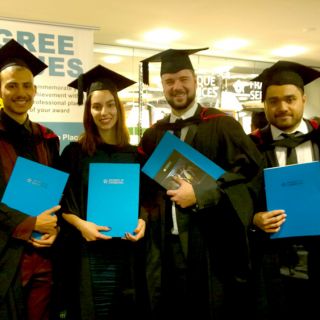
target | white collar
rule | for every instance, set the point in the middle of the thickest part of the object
(189, 113)
(276, 133)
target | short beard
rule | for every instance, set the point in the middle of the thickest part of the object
(181, 106)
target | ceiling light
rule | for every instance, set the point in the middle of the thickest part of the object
(129, 42)
(230, 44)
(156, 80)
(309, 29)
(289, 51)
(112, 50)
(138, 44)
(112, 59)
(162, 35)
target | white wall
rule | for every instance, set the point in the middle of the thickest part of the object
(312, 91)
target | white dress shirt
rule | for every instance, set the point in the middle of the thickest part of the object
(184, 131)
(304, 150)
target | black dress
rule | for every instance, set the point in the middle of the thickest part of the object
(99, 277)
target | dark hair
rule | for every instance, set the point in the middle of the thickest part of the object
(258, 120)
(91, 138)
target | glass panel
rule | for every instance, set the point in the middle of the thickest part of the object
(222, 83)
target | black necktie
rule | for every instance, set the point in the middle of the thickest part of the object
(291, 151)
(177, 129)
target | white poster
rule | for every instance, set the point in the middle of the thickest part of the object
(68, 52)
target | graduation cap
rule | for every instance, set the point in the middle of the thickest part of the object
(99, 78)
(286, 72)
(172, 60)
(14, 54)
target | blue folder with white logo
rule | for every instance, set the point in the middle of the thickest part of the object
(295, 189)
(113, 196)
(34, 187)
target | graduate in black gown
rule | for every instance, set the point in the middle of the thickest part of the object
(286, 269)
(100, 280)
(197, 264)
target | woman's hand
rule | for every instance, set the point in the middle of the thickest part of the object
(138, 232)
(91, 232)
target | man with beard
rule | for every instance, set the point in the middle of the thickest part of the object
(287, 269)
(197, 260)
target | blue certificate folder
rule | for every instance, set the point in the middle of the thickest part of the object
(295, 189)
(34, 187)
(173, 157)
(113, 196)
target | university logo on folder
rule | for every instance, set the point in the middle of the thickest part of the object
(34, 187)
(295, 189)
(173, 157)
(113, 196)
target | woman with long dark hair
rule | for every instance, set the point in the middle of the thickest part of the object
(102, 273)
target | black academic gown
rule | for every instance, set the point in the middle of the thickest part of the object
(96, 270)
(212, 235)
(280, 296)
